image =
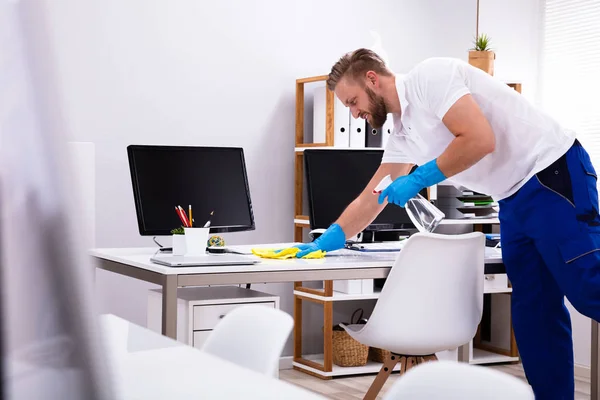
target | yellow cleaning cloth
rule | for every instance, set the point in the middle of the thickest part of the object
(285, 253)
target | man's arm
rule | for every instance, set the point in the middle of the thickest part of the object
(365, 208)
(474, 138)
(358, 215)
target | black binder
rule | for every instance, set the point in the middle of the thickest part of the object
(374, 136)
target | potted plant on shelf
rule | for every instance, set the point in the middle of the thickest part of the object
(481, 55)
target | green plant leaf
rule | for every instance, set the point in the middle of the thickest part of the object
(482, 43)
(178, 231)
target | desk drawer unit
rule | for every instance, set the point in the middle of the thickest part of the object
(199, 338)
(199, 309)
(207, 317)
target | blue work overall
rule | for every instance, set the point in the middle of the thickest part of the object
(550, 237)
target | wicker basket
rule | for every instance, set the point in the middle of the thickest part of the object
(348, 352)
(378, 355)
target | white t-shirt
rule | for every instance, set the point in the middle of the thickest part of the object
(527, 139)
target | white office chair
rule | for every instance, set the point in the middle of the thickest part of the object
(252, 336)
(432, 301)
(453, 380)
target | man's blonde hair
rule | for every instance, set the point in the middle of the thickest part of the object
(355, 64)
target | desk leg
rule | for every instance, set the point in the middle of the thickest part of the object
(463, 353)
(169, 306)
(595, 371)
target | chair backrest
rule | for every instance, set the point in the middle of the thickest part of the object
(432, 299)
(454, 380)
(252, 336)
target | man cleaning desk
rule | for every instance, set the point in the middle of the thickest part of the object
(462, 125)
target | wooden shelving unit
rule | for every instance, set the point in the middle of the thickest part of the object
(322, 365)
(300, 146)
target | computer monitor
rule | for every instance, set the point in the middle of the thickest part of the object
(207, 178)
(335, 177)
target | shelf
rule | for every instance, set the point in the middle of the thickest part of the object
(312, 79)
(479, 357)
(487, 357)
(301, 149)
(338, 296)
(371, 367)
(498, 290)
(466, 221)
(470, 221)
(302, 222)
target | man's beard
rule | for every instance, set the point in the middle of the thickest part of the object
(377, 109)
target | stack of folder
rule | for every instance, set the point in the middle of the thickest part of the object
(477, 205)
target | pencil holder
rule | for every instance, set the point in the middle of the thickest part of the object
(195, 240)
(179, 245)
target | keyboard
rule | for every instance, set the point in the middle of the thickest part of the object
(379, 246)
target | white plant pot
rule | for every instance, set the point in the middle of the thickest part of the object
(179, 247)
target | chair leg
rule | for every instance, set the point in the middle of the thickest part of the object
(406, 362)
(385, 371)
(410, 363)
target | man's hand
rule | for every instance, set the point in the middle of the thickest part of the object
(400, 191)
(406, 187)
(332, 239)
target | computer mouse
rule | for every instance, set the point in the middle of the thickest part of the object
(315, 233)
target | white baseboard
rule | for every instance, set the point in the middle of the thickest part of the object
(581, 371)
(288, 362)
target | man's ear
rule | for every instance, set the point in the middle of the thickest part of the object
(372, 78)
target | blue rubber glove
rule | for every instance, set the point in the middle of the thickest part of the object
(333, 238)
(408, 186)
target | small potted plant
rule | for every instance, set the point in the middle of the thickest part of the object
(179, 247)
(481, 55)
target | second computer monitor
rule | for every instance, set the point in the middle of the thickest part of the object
(335, 177)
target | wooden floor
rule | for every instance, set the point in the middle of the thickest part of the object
(355, 387)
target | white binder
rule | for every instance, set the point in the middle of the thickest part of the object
(319, 112)
(357, 132)
(341, 124)
(341, 119)
(387, 130)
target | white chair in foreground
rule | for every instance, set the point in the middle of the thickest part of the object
(252, 336)
(453, 380)
(432, 301)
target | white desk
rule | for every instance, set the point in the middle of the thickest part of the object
(148, 366)
(344, 264)
(135, 263)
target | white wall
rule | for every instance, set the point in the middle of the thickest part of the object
(217, 73)
(174, 72)
(514, 29)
